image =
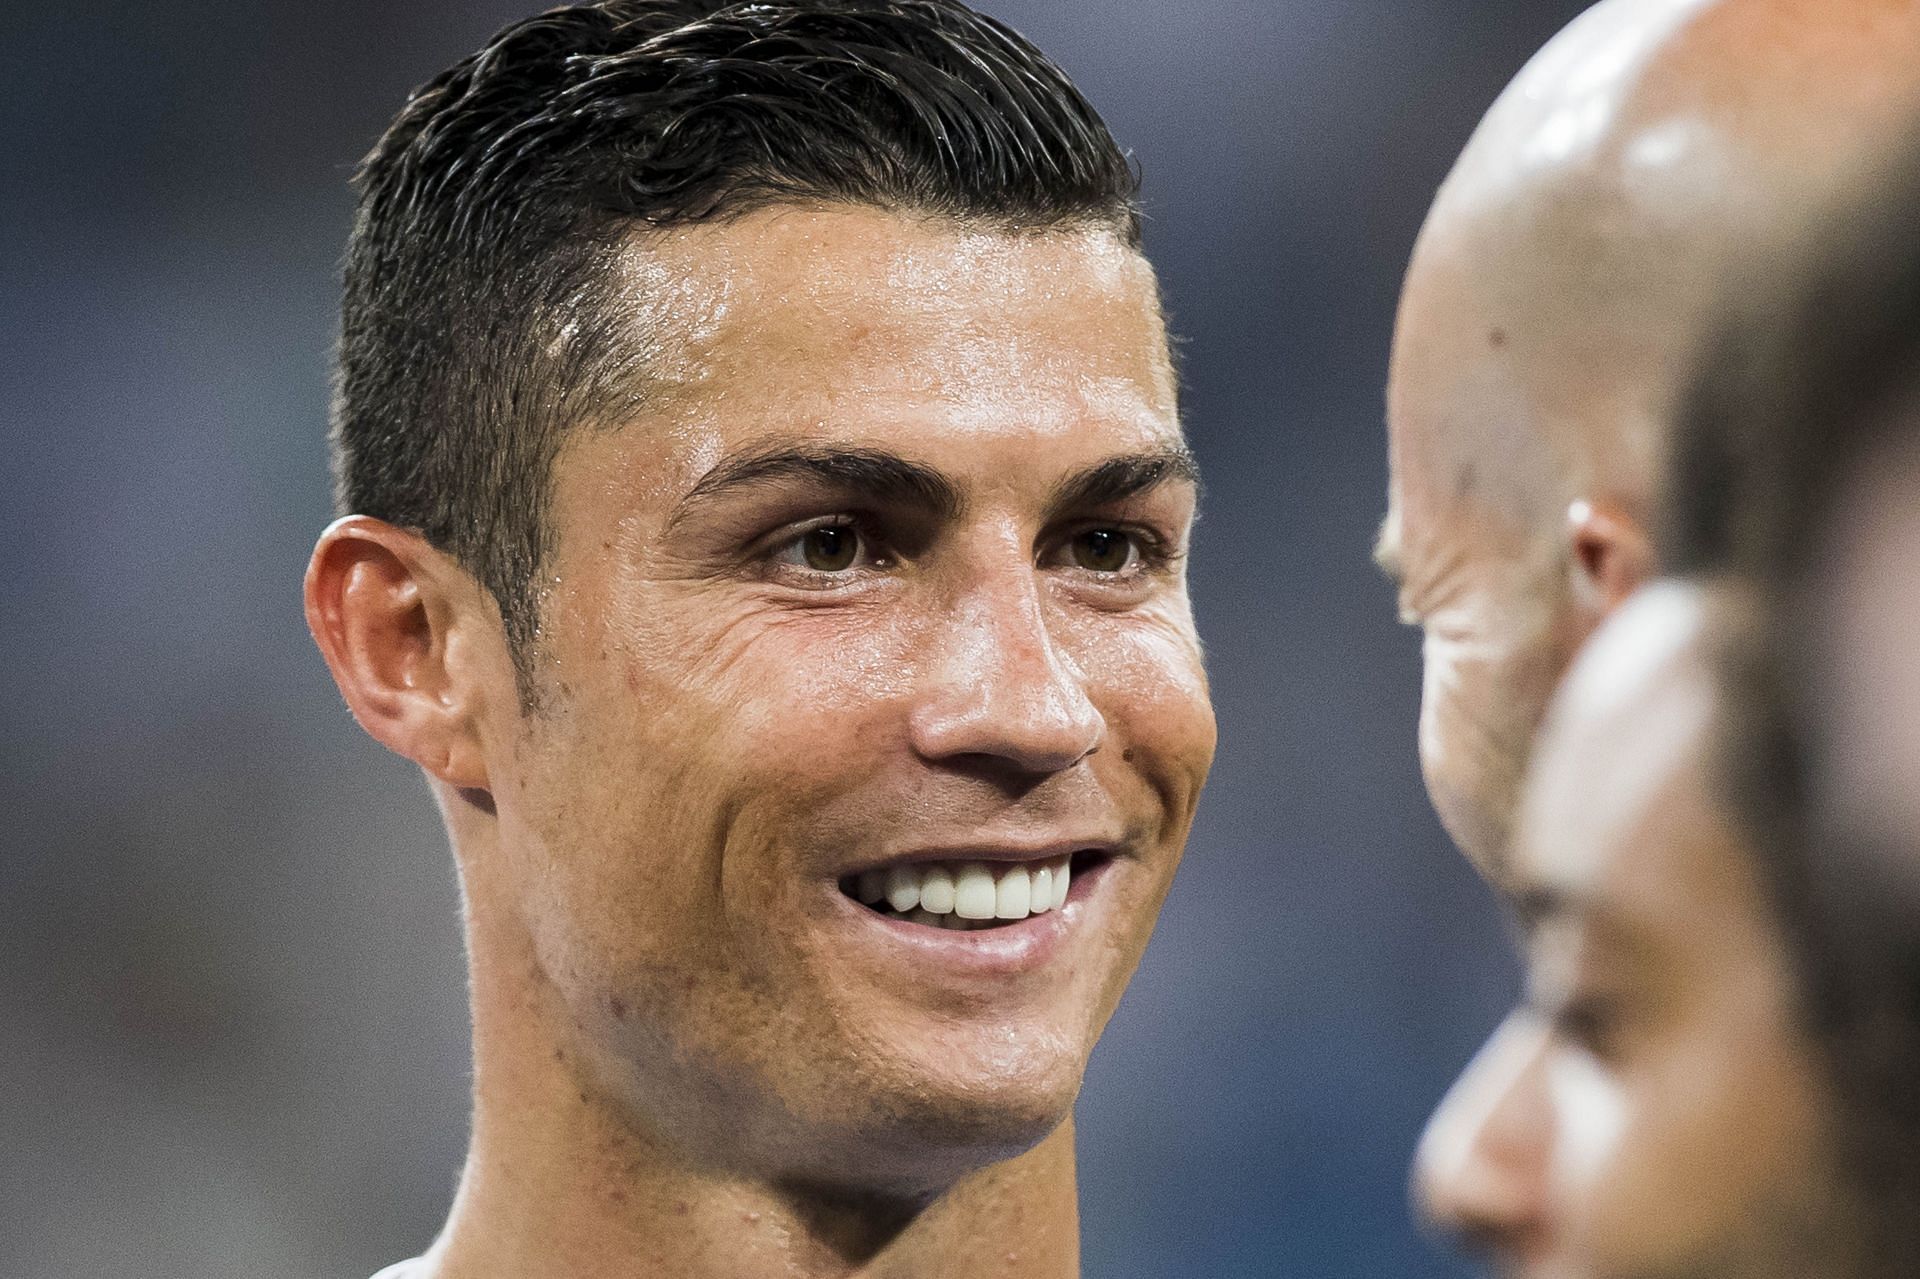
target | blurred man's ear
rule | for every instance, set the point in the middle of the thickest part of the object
(406, 633)
(1612, 555)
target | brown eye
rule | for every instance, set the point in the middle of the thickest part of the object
(830, 549)
(1103, 550)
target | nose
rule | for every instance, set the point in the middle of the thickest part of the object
(1000, 692)
(1481, 1168)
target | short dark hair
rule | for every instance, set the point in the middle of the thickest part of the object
(475, 325)
(1807, 380)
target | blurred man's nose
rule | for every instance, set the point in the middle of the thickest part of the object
(1480, 1174)
(1000, 693)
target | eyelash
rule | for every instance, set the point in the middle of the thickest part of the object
(1152, 553)
(792, 541)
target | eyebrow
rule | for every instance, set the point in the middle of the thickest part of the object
(888, 477)
(884, 476)
(1129, 475)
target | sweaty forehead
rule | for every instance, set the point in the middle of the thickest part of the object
(1576, 252)
(821, 307)
(1654, 110)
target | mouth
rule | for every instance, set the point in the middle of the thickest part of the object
(972, 895)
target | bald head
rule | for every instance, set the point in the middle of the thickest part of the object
(1571, 266)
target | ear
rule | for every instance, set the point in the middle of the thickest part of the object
(401, 626)
(1612, 554)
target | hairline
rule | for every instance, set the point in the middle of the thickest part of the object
(600, 392)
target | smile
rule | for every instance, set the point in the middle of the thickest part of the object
(967, 896)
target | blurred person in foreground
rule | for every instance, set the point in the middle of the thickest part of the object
(1717, 853)
(1559, 290)
(768, 510)
(1662, 1105)
(1798, 474)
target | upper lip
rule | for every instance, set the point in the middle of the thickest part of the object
(999, 851)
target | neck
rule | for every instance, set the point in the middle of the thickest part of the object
(557, 1183)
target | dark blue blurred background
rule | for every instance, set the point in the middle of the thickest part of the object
(232, 1019)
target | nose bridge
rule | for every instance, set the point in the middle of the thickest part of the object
(999, 682)
(1483, 1158)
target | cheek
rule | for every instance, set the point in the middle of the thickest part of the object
(1448, 687)
(1610, 1189)
(1480, 705)
(761, 689)
(1591, 1129)
(1148, 680)
(1673, 1164)
(1464, 751)
(672, 734)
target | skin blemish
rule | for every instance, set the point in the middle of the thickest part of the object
(1497, 338)
(1466, 479)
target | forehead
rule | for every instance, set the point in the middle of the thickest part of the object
(1523, 349)
(823, 322)
(1622, 811)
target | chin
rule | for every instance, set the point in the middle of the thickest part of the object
(922, 1130)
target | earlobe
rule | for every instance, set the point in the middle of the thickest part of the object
(387, 610)
(1612, 554)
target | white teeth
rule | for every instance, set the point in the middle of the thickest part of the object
(936, 890)
(1013, 895)
(903, 888)
(1040, 890)
(948, 894)
(974, 896)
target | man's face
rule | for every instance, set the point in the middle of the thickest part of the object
(1477, 570)
(882, 588)
(1652, 1110)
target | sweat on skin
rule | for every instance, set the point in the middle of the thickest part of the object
(1570, 267)
(885, 571)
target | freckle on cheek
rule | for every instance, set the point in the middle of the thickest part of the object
(618, 1007)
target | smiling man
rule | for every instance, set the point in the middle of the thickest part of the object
(768, 512)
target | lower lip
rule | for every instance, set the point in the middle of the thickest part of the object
(1008, 948)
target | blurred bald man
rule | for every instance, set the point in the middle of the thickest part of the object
(1563, 281)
